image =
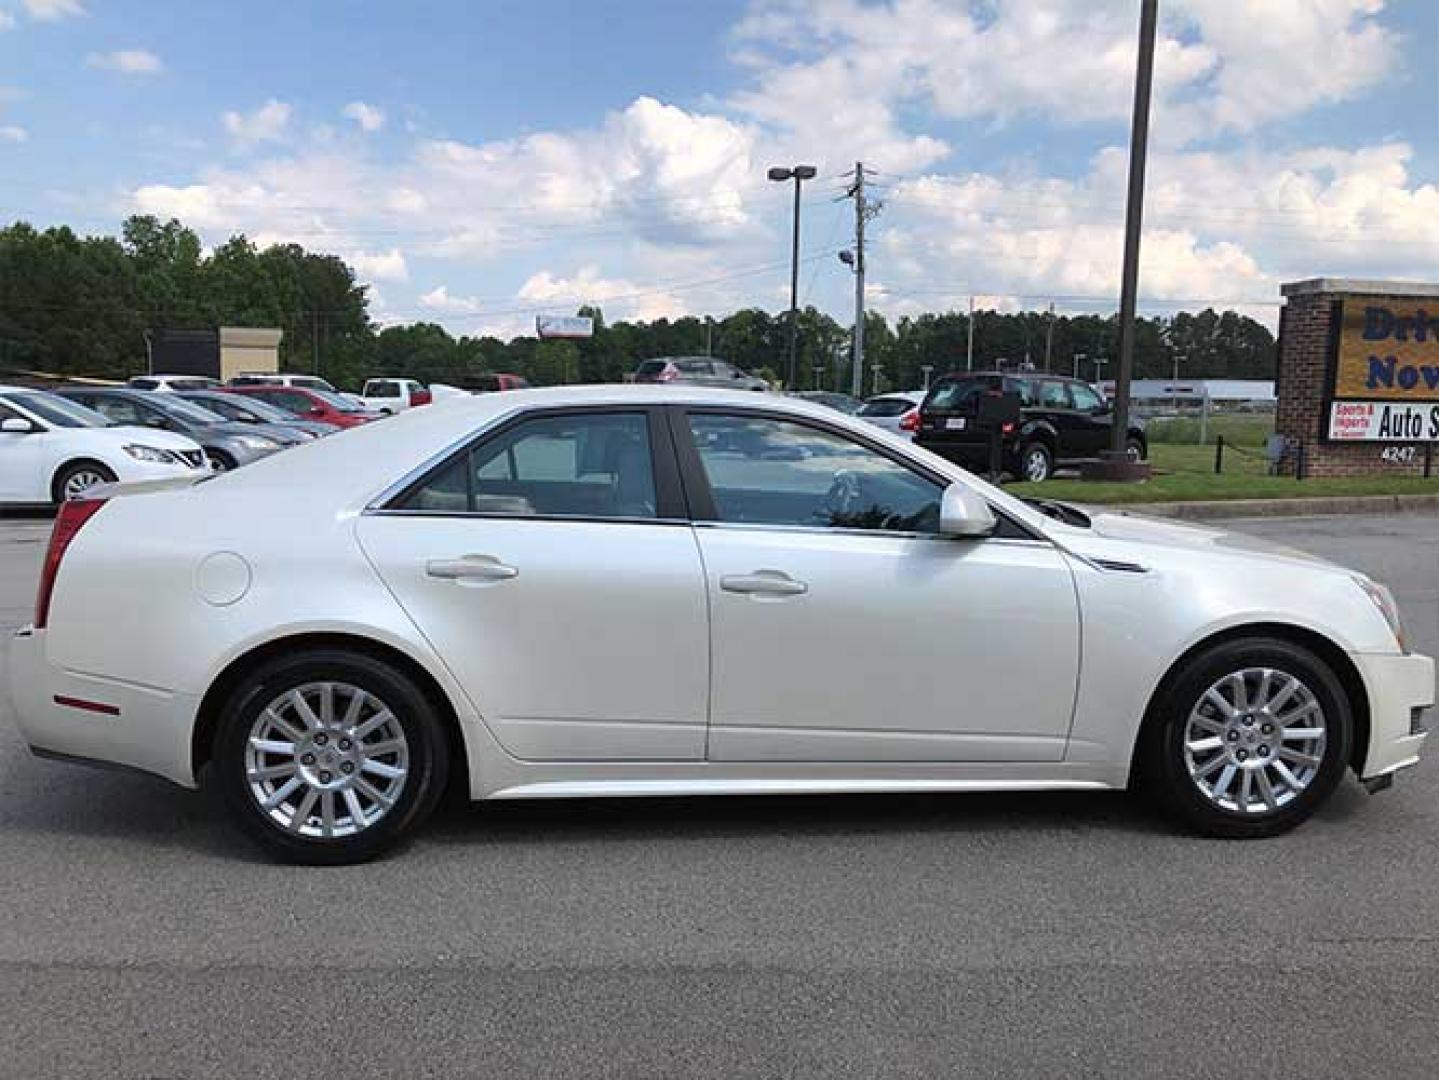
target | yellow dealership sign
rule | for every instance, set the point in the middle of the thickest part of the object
(1388, 350)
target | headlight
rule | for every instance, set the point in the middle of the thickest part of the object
(257, 442)
(151, 453)
(1384, 601)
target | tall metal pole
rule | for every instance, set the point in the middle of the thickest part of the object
(969, 349)
(857, 374)
(792, 371)
(1049, 337)
(1134, 220)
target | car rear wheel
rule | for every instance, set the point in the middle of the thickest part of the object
(329, 757)
(1135, 449)
(76, 479)
(220, 461)
(1248, 740)
(1036, 463)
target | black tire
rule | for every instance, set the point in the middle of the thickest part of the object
(1164, 775)
(1136, 449)
(74, 470)
(1035, 463)
(220, 461)
(415, 798)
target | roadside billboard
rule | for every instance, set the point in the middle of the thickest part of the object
(564, 326)
(1384, 370)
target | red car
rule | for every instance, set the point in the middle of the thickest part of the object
(310, 404)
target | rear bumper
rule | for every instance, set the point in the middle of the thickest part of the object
(1400, 688)
(66, 714)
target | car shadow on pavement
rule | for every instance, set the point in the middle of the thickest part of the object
(644, 820)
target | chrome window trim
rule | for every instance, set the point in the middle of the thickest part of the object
(882, 534)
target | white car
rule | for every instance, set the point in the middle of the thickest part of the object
(634, 590)
(390, 396)
(173, 383)
(52, 449)
(897, 412)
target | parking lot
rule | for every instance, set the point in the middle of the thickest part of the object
(1035, 935)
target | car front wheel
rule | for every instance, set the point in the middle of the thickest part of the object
(74, 480)
(329, 757)
(1248, 740)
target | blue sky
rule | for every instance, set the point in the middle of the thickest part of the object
(483, 162)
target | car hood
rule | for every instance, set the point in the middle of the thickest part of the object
(1139, 533)
(146, 436)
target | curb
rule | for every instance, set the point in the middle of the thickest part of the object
(1297, 507)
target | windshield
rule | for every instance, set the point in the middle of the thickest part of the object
(309, 382)
(335, 401)
(955, 394)
(184, 410)
(238, 408)
(58, 411)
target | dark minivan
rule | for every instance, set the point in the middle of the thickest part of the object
(1061, 422)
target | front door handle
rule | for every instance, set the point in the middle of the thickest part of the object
(763, 583)
(471, 568)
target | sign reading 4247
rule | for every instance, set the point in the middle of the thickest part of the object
(1383, 421)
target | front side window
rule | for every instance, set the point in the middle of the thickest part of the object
(695, 367)
(1085, 398)
(763, 471)
(62, 412)
(597, 465)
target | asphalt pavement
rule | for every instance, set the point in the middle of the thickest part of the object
(1006, 935)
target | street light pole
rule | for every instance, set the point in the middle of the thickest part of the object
(799, 174)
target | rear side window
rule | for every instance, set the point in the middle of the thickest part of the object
(651, 367)
(382, 389)
(593, 465)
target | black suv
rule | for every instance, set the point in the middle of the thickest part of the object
(1061, 421)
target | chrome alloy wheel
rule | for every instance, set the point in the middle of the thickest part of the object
(326, 759)
(1255, 741)
(1036, 465)
(81, 481)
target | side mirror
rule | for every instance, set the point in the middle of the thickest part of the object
(963, 512)
(16, 425)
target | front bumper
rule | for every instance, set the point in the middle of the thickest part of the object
(145, 728)
(1400, 688)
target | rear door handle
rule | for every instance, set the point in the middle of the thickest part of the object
(471, 568)
(763, 583)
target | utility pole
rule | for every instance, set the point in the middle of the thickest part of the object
(969, 349)
(1133, 222)
(1049, 337)
(1078, 358)
(709, 336)
(315, 340)
(864, 211)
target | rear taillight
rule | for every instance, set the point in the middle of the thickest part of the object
(1008, 428)
(68, 523)
(668, 375)
(421, 397)
(909, 421)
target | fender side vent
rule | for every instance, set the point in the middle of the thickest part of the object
(1120, 566)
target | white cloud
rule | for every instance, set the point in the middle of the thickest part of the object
(127, 62)
(369, 117)
(46, 10)
(627, 299)
(265, 124)
(380, 266)
(439, 299)
(13, 133)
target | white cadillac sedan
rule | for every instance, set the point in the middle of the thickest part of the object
(652, 590)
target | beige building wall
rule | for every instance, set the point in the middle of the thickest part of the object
(248, 348)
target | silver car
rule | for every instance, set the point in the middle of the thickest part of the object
(696, 371)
